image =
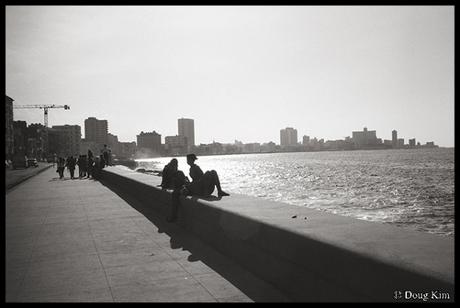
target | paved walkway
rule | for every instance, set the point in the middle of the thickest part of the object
(78, 241)
(16, 176)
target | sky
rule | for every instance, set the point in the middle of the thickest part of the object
(241, 72)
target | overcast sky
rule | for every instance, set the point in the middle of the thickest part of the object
(240, 72)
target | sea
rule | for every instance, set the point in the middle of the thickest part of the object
(412, 188)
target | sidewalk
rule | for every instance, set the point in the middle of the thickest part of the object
(17, 176)
(78, 241)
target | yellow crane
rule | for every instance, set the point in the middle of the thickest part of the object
(44, 107)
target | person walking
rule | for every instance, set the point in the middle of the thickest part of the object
(84, 165)
(79, 164)
(60, 166)
(71, 166)
(90, 163)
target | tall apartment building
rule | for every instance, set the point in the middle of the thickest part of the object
(288, 136)
(64, 140)
(20, 137)
(186, 128)
(9, 137)
(394, 138)
(151, 141)
(96, 130)
(113, 144)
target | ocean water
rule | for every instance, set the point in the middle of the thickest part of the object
(410, 188)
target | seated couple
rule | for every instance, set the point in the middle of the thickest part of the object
(202, 183)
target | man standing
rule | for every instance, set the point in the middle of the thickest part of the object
(105, 155)
(71, 165)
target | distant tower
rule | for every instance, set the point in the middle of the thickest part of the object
(288, 136)
(394, 138)
(96, 131)
(186, 128)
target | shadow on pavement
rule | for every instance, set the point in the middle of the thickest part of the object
(252, 287)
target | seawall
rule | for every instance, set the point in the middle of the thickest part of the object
(315, 256)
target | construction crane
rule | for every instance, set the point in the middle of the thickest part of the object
(44, 107)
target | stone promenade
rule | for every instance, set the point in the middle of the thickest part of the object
(79, 241)
(17, 176)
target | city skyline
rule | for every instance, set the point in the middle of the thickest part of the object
(241, 73)
(288, 134)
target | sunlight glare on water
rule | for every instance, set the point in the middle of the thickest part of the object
(412, 188)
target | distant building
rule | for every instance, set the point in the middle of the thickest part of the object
(394, 138)
(268, 147)
(65, 140)
(176, 144)
(412, 142)
(127, 149)
(186, 128)
(400, 143)
(54, 142)
(252, 148)
(20, 137)
(288, 137)
(149, 141)
(305, 140)
(86, 145)
(113, 144)
(96, 130)
(9, 136)
(365, 138)
(216, 147)
(37, 141)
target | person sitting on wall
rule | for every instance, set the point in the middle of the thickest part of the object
(168, 174)
(203, 184)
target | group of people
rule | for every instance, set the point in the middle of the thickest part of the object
(202, 184)
(85, 163)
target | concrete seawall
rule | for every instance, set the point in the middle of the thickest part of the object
(315, 256)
